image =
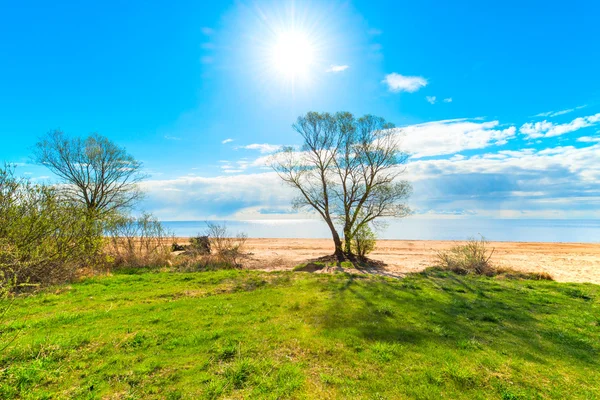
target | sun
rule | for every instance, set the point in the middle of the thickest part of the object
(292, 54)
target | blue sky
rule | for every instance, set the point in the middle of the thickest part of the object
(500, 103)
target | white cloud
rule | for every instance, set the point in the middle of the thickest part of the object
(337, 68)
(545, 129)
(169, 137)
(197, 198)
(557, 113)
(555, 182)
(430, 99)
(589, 139)
(400, 83)
(228, 140)
(448, 100)
(208, 31)
(561, 182)
(264, 148)
(452, 136)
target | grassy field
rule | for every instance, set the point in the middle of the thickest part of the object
(240, 334)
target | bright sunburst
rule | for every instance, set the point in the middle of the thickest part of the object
(290, 45)
(292, 54)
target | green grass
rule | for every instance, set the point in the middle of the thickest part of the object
(240, 334)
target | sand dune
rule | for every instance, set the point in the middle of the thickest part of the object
(566, 262)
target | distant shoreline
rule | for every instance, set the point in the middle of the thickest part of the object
(496, 230)
(418, 240)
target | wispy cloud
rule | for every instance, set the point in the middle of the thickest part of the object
(448, 100)
(374, 32)
(430, 99)
(169, 137)
(561, 112)
(337, 68)
(589, 139)
(208, 31)
(228, 140)
(264, 148)
(448, 137)
(545, 129)
(400, 83)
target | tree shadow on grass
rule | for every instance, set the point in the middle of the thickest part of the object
(351, 264)
(444, 308)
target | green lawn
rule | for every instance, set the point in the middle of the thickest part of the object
(239, 334)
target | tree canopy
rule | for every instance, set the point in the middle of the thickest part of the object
(348, 170)
(95, 171)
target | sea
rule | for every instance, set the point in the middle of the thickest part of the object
(509, 230)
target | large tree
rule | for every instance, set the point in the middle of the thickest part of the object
(95, 171)
(347, 170)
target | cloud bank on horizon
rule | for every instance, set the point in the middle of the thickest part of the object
(458, 167)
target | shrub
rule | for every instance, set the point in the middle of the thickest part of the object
(228, 249)
(177, 247)
(138, 242)
(470, 258)
(200, 244)
(44, 238)
(364, 241)
(7, 286)
(215, 250)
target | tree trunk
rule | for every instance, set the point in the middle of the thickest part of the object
(348, 241)
(339, 251)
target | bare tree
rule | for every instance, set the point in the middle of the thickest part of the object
(348, 170)
(95, 171)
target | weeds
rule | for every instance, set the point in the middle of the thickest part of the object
(470, 258)
(138, 242)
(474, 257)
(229, 249)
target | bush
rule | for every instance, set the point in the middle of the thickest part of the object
(364, 241)
(215, 250)
(6, 300)
(44, 238)
(226, 248)
(200, 244)
(470, 258)
(177, 247)
(138, 242)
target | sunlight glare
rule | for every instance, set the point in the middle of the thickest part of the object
(292, 54)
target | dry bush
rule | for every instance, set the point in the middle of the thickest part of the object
(470, 258)
(474, 258)
(217, 249)
(138, 242)
(200, 244)
(227, 249)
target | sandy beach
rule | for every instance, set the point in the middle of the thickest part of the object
(566, 262)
